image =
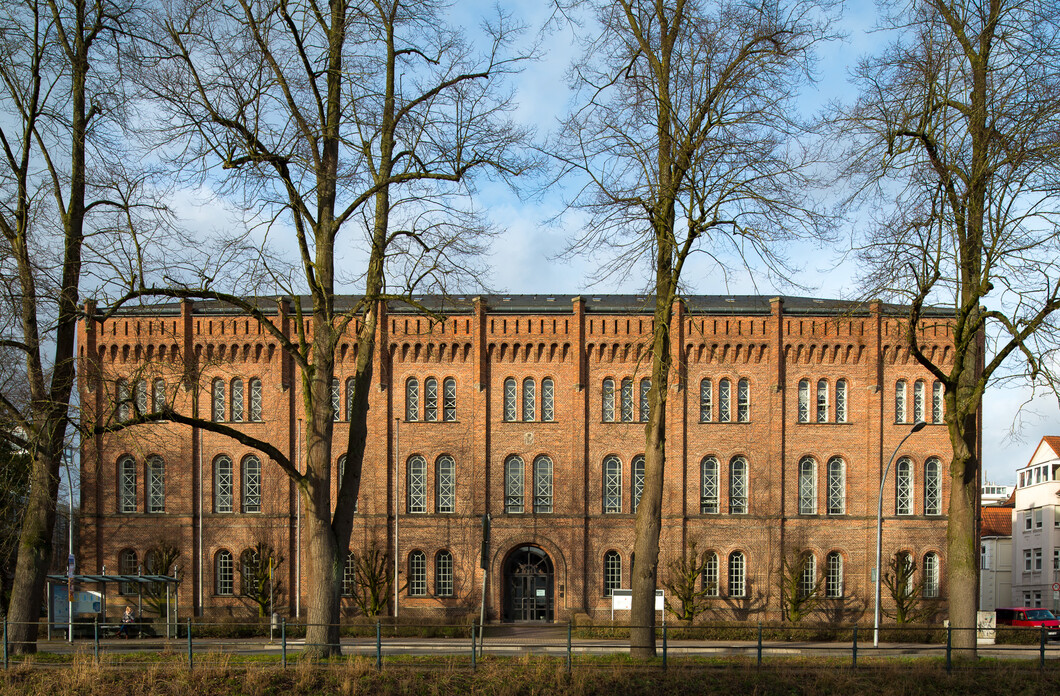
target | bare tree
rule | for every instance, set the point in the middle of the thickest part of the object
(801, 589)
(258, 581)
(953, 142)
(683, 143)
(352, 121)
(690, 590)
(372, 579)
(905, 590)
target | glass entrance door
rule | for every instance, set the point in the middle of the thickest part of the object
(528, 585)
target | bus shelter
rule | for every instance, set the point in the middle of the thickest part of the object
(65, 603)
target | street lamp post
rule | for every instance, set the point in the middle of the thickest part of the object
(879, 532)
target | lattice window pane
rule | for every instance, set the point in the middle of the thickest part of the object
(140, 389)
(543, 485)
(738, 486)
(255, 400)
(932, 487)
(903, 487)
(445, 469)
(248, 568)
(645, 407)
(833, 583)
(511, 395)
(918, 401)
(548, 397)
(336, 400)
(804, 401)
(638, 481)
(743, 401)
(837, 486)
(627, 400)
(351, 393)
(449, 400)
(807, 487)
(223, 574)
(417, 484)
(127, 565)
(158, 396)
(513, 485)
(127, 485)
(349, 575)
(223, 484)
(708, 481)
(737, 575)
(931, 575)
(612, 572)
(899, 401)
(417, 574)
(608, 400)
(808, 578)
(124, 400)
(841, 401)
(412, 400)
(710, 575)
(218, 398)
(936, 402)
(251, 484)
(430, 399)
(237, 401)
(156, 485)
(822, 401)
(529, 399)
(443, 574)
(706, 409)
(724, 394)
(612, 485)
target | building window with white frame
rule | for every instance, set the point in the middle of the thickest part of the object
(833, 577)
(706, 405)
(449, 400)
(236, 401)
(445, 493)
(336, 400)
(542, 484)
(936, 402)
(158, 396)
(708, 482)
(156, 484)
(417, 574)
(807, 486)
(412, 400)
(724, 395)
(931, 575)
(548, 400)
(899, 401)
(737, 574)
(804, 401)
(140, 390)
(808, 577)
(822, 401)
(251, 484)
(529, 400)
(124, 399)
(637, 471)
(127, 565)
(933, 486)
(710, 574)
(841, 401)
(903, 487)
(218, 407)
(126, 485)
(256, 400)
(607, 400)
(1027, 563)
(918, 401)
(738, 486)
(645, 407)
(430, 400)
(1037, 560)
(351, 393)
(509, 409)
(743, 400)
(612, 572)
(417, 485)
(349, 575)
(627, 400)
(837, 486)
(612, 485)
(224, 584)
(513, 485)
(223, 484)
(443, 574)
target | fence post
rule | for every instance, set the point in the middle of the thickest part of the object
(665, 646)
(1041, 650)
(283, 641)
(474, 648)
(760, 644)
(191, 659)
(5, 639)
(378, 646)
(854, 652)
(95, 637)
(949, 649)
(568, 646)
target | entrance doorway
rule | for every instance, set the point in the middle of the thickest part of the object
(528, 585)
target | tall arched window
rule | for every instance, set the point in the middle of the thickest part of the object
(903, 487)
(443, 574)
(738, 486)
(140, 390)
(124, 399)
(217, 410)
(236, 408)
(223, 573)
(645, 407)
(710, 574)
(127, 565)
(529, 400)
(804, 401)
(248, 569)
(445, 473)
(430, 400)
(510, 395)
(737, 574)
(548, 395)
(841, 401)
(542, 484)
(126, 485)
(638, 481)
(514, 491)
(607, 400)
(918, 400)
(416, 482)
(158, 396)
(256, 400)
(931, 575)
(837, 486)
(899, 401)
(933, 487)
(807, 486)
(822, 401)
(612, 484)
(743, 400)
(724, 395)
(412, 400)
(833, 575)
(808, 577)
(936, 402)
(612, 572)
(706, 401)
(336, 399)
(351, 393)
(708, 486)
(417, 574)
(156, 484)
(627, 400)
(349, 575)
(251, 484)
(449, 400)
(223, 482)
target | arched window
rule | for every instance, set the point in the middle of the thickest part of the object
(543, 484)
(738, 486)
(708, 486)
(529, 399)
(837, 486)
(351, 393)
(645, 407)
(607, 399)
(706, 398)
(612, 484)
(430, 400)
(158, 396)
(903, 487)
(804, 401)
(627, 400)
(223, 573)
(251, 484)
(808, 577)
(223, 483)
(349, 575)
(510, 395)
(513, 484)
(140, 389)
(710, 574)
(638, 481)
(548, 396)
(936, 402)
(412, 400)
(841, 401)
(248, 571)
(156, 484)
(931, 575)
(255, 400)
(236, 408)
(449, 400)
(124, 399)
(918, 400)
(612, 572)
(899, 401)
(743, 401)
(336, 400)
(445, 473)
(737, 574)
(724, 393)
(807, 486)
(340, 467)
(217, 410)
(417, 484)
(833, 575)
(127, 565)
(933, 487)
(443, 574)
(417, 574)
(126, 485)
(822, 401)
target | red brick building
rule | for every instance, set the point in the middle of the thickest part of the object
(782, 415)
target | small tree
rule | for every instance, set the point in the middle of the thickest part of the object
(257, 570)
(800, 587)
(373, 581)
(161, 560)
(688, 588)
(906, 592)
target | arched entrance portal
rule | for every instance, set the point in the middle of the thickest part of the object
(528, 586)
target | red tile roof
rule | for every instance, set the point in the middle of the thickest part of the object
(1053, 441)
(997, 522)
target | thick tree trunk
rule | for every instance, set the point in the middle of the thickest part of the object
(322, 591)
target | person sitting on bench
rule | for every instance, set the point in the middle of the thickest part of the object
(128, 621)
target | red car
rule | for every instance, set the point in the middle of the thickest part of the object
(1023, 616)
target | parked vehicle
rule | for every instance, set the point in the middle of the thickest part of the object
(1031, 618)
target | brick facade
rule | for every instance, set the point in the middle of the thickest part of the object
(762, 348)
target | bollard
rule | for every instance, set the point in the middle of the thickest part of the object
(474, 665)
(664, 646)
(283, 642)
(759, 644)
(949, 649)
(568, 647)
(95, 638)
(1041, 650)
(854, 652)
(190, 653)
(378, 646)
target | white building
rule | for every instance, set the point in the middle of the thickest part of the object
(994, 494)
(995, 567)
(1036, 529)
